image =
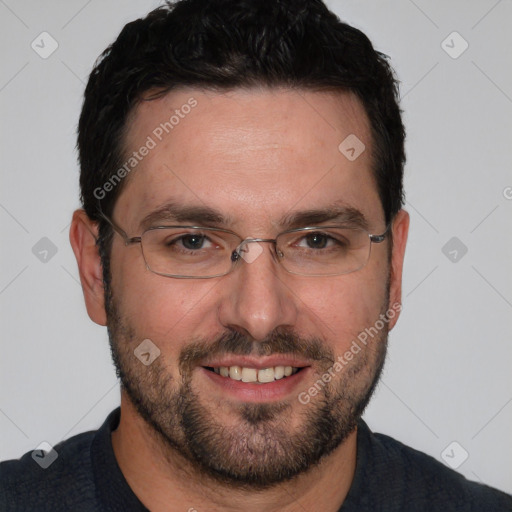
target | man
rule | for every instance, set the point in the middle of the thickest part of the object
(242, 239)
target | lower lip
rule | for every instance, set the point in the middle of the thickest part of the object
(255, 392)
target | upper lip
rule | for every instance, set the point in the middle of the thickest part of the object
(258, 363)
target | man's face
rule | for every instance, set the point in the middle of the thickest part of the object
(255, 157)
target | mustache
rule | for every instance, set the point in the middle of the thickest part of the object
(279, 341)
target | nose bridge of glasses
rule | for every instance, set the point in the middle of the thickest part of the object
(242, 246)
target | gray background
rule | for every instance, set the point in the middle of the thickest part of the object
(448, 375)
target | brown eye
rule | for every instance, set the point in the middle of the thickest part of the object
(317, 240)
(192, 242)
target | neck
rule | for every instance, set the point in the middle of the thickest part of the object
(163, 480)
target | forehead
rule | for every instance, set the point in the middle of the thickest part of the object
(253, 155)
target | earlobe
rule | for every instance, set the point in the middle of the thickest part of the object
(400, 231)
(82, 236)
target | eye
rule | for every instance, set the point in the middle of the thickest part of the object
(316, 240)
(192, 242)
(184, 241)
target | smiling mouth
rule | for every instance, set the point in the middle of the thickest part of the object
(254, 375)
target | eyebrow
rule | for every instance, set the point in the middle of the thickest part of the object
(203, 215)
(173, 211)
(338, 213)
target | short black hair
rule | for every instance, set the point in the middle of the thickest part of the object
(228, 44)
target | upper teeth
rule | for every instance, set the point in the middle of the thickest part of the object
(253, 375)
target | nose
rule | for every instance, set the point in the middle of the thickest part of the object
(257, 297)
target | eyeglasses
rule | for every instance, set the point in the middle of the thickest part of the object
(194, 252)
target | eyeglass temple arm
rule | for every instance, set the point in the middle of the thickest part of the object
(119, 231)
(377, 239)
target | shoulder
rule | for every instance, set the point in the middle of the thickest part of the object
(61, 479)
(414, 480)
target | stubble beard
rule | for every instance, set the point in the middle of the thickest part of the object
(260, 447)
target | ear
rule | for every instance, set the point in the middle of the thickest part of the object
(82, 235)
(400, 229)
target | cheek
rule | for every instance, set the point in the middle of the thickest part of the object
(162, 309)
(342, 307)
